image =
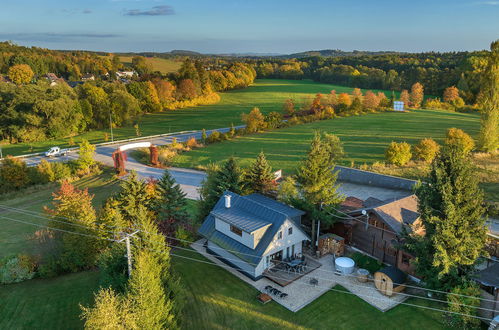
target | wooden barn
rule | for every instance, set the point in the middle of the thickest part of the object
(379, 232)
(389, 280)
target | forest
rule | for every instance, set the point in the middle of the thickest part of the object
(33, 108)
(392, 71)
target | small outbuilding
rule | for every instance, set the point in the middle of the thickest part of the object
(389, 280)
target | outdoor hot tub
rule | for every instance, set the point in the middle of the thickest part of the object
(344, 265)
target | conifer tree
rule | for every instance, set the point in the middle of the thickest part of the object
(260, 177)
(150, 239)
(489, 129)
(452, 213)
(134, 192)
(170, 204)
(111, 311)
(317, 180)
(149, 303)
(218, 180)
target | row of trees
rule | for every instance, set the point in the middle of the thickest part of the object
(436, 71)
(82, 238)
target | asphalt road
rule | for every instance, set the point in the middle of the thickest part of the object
(189, 180)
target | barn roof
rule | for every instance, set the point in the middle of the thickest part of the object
(395, 213)
(395, 274)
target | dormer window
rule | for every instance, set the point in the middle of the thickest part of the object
(290, 231)
(236, 230)
(279, 235)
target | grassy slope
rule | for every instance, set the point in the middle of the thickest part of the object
(267, 94)
(15, 237)
(215, 300)
(47, 303)
(365, 138)
(234, 305)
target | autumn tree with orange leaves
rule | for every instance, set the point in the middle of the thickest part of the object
(417, 95)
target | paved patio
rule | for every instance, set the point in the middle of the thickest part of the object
(283, 277)
(301, 292)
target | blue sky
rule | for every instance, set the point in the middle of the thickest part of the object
(269, 26)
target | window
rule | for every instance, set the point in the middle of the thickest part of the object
(236, 230)
(406, 259)
(279, 235)
(290, 230)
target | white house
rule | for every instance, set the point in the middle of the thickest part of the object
(125, 74)
(252, 232)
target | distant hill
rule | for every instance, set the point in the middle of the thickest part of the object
(336, 53)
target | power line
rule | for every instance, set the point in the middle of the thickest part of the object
(252, 255)
(59, 221)
(332, 289)
(53, 228)
(169, 253)
(345, 275)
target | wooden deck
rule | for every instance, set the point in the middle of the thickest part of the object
(281, 276)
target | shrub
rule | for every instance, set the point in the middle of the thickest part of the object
(398, 153)
(165, 156)
(16, 269)
(426, 150)
(458, 138)
(113, 269)
(183, 236)
(214, 137)
(61, 171)
(13, 174)
(191, 143)
(462, 305)
(254, 121)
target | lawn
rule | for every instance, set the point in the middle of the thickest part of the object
(47, 303)
(17, 237)
(365, 138)
(216, 299)
(267, 94)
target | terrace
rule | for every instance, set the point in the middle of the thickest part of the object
(299, 290)
(284, 273)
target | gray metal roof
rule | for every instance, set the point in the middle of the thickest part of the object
(278, 206)
(256, 207)
(241, 219)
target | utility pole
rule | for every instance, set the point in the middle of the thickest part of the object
(111, 126)
(128, 250)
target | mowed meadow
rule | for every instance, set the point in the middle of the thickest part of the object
(266, 94)
(365, 138)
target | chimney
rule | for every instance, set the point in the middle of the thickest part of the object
(227, 201)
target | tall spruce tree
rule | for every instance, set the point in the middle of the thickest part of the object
(489, 129)
(146, 293)
(134, 193)
(452, 213)
(170, 204)
(317, 181)
(260, 178)
(218, 180)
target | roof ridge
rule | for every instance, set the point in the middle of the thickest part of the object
(268, 207)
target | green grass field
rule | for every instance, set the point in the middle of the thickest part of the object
(162, 65)
(47, 303)
(18, 237)
(365, 138)
(215, 300)
(267, 94)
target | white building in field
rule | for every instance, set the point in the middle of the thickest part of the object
(252, 232)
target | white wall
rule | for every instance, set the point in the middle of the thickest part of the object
(250, 240)
(296, 239)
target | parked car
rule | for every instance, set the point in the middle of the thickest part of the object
(56, 152)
